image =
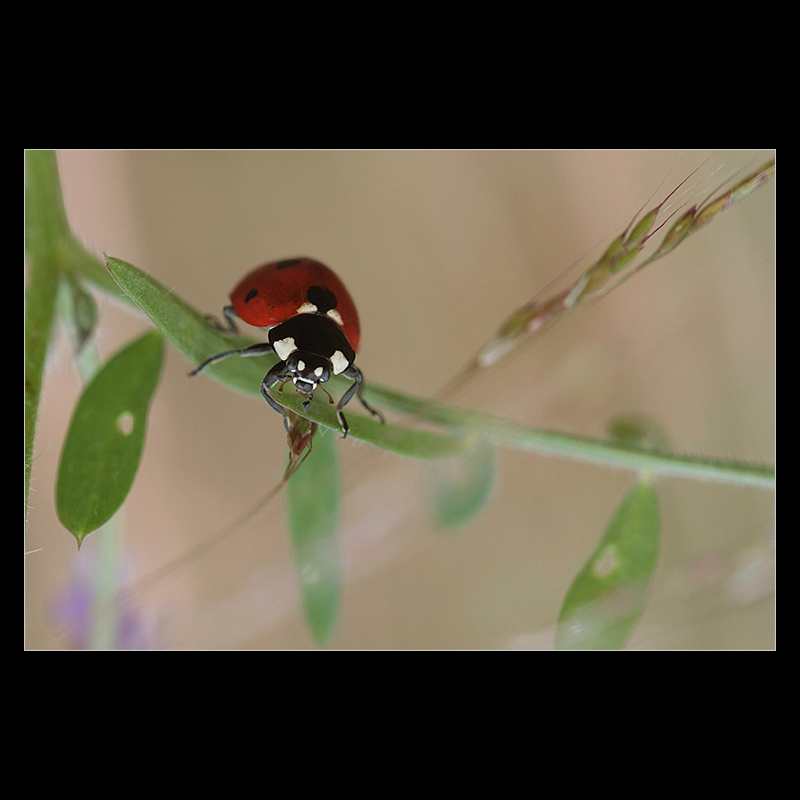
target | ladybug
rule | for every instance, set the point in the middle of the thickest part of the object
(313, 329)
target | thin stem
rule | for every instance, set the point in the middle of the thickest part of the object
(45, 229)
(582, 448)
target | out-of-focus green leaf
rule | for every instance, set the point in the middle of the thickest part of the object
(80, 312)
(458, 488)
(637, 430)
(313, 497)
(106, 436)
(608, 595)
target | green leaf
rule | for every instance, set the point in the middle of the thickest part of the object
(79, 311)
(313, 497)
(638, 431)
(188, 329)
(460, 487)
(608, 595)
(106, 436)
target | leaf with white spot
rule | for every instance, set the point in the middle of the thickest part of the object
(608, 595)
(106, 435)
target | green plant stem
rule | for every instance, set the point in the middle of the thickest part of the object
(52, 251)
(581, 448)
(45, 229)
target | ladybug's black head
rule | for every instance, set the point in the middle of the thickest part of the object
(308, 370)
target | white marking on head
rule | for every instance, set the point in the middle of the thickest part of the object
(335, 316)
(318, 372)
(307, 308)
(284, 347)
(301, 365)
(308, 386)
(339, 362)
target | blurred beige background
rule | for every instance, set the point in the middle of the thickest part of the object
(437, 248)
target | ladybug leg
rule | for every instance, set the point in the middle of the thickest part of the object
(373, 411)
(359, 389)
(254, 350)
(277, 373)
(230, 320)
(355, 375)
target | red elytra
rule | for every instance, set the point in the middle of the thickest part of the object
(313, 329)
(274, 292)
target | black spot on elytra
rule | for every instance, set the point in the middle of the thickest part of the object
(250, 295)
(290, 262)
(323, 299)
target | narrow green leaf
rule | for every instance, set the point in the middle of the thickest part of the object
(460, 487)
(636, 430)
(106, 435)
(313, 497)
(608, 595)
(188, 329)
